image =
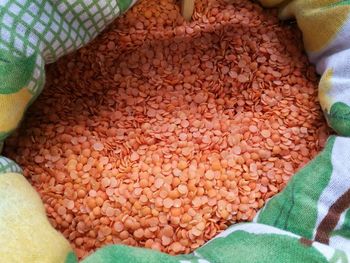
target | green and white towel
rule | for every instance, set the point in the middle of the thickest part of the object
(308, 222)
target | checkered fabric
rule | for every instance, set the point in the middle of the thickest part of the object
(52, 28)
(9, 166)
(34, 33)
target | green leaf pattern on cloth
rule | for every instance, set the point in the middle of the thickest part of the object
(294, 210)
(344, 229)
(240, 243)
(111, 254)
(71, 258)
(124, 4)
(250, 247)
(339, 118)
(15, 72)
(339, 257)
(36, 32)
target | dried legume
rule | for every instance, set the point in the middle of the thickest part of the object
(161, 133)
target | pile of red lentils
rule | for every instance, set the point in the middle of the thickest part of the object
(161, 133)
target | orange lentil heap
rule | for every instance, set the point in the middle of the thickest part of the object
(161, 133)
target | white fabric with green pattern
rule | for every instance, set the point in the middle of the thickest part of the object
(36, 32)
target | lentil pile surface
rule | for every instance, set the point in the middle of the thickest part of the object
(161, 133)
